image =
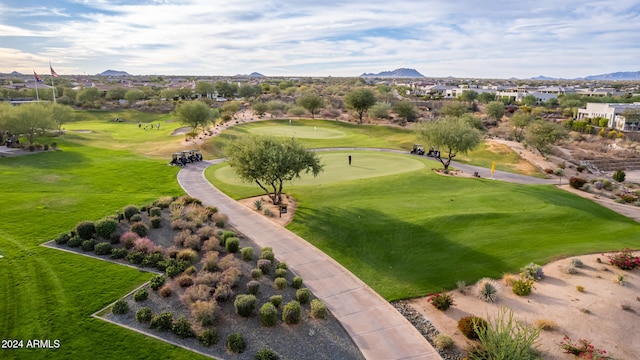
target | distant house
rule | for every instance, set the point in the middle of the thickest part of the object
(612, 112)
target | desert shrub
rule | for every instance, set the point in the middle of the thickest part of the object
(204, 312)
(598, 185)
(120, 307)
(139, 228)
(276, 300)
(74, 241)
(291, 312)
(619, 175)
(190, 270)
(181, 224)
(180, 237)
(441, 301)
(103, 248)
(581, 168)
(256, 274)
(188, 255)
(232, 245)
(193, 242)
(318, 309)
(209, 337)
(62, 238)
(231, 276)
(443, 342)
(522, 287)
(85, 229)
(469, 325)
(219, 219)
(576, 262)
(182, 328)
(624, 260)
(296, 283)
(247, 253)
(164, 202)
(580, 288)
(303, 295)
(156, 282)
(282, 265)
(228, 261)
(582, 349)
(460, 285)
(546, 324)
(129, 211)
(115, 238)
(268, 314)
(105, 227)
(156, 222)
(206, 232)
(236, 343)
(88, 245)
(267, 212)
(155, 211)
(532, 271)
(162, 321)
(208, 278)
(135, 218)
(264, 265)
(128, 239)
(253, 287)
(280, 283)
(210, 261)
(119, 253)
(607, 185)
(141, 295)
(144, 315)
(136, 257)
(503, 336)
(487, 290)
(223, 292)
(266, 354)
(225, 234)
(211, 244)
(267, 253)
(195, 293)
(144, 245)
(152, 260)
(165, 291)
(258, 204)
(184, 281)
(576, 182)
(280, 273)
(570, 269)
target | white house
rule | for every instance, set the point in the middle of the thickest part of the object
(612, 112)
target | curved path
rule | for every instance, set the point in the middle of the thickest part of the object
(379, 331)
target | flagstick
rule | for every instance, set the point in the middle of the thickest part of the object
(53, 90)
(37, 96)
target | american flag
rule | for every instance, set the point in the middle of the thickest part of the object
(53, 72)
(36, 76)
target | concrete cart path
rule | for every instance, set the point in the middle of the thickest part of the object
(376, 327)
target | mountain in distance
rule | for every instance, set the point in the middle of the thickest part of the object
(542, 77)
(621, 75)
(397, 73)
(113, 73)
(256, 74)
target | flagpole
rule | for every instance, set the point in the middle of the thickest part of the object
(36, 79)
(53, 87)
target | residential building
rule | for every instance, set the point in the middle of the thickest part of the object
(613, 112)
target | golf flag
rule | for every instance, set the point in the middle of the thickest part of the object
(36, 76)
(493, 167)
(53, 72)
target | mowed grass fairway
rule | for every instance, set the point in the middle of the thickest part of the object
(414, 233)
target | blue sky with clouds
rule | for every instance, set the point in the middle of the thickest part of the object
(466, 38)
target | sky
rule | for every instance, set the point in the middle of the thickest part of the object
(439, 38)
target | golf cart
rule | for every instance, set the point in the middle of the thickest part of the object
(417, 149)
(196, 155)
(176, 159)
(434, 152)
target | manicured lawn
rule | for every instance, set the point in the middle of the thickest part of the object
(49, 294)
(414, 233)
(504, 158)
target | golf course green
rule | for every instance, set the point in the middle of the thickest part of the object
(306, 132)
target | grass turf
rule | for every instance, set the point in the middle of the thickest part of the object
(411, 234)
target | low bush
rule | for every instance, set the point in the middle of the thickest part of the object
(209, 337)
(223, 292)
(276, 300)
(318, 309)
(232, 245)
(129, 211)
(162, 321)
(247, 253)
(120, 307)
(156, 282)
(208, 278)
(576, 262)
(85, 229)
(182, 328)
(487, 290)
(280, 283)
(236, 343)
(144, 315)
(441, 301)
(135, 218)
(139, 228)
(152, 260)
(141, 295)
(303, 295)
(193, 242)
(136, 257)
(106, 227)
(253, 287)
(227, 262)
(244, 304)
(577, 182)
(62, 239)
(219, 219)
(619, 175)
(88, 245)
(115, 238)
(256, 274)
(469, 326)
(156, 222)
(582, 349)
(184, 281)
(103, 248)
(296, 283)
(188, 255)
(267, 253)
(119, 253)
(546, 324)
(532, 271)
(522, 287)
(291, 312)
(570, 269)
(128, 239)
(204, 312)
(165, 291)
(155, 211)
(264, 265)
(443, 342)
(280, 273)
(266, 354)
(268, 315)
(145, 245)
(74, 241)
(624, 260)
(282, 265)
(210, 261)
(195, 293)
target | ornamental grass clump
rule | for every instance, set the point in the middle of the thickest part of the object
(441, 301)
(486, 289)
(532, 271)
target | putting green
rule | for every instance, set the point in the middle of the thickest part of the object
(364, 164)
(298, 131)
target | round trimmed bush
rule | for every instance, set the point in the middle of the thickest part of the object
(267, 253)
(318, 309)
(119, 253)
(141, 295)
(303, 295)
(115, 238)
(182, 328)
(268, 314)
(522, 287)
(120, 307)
(280, 283)
(256, 274)
(75, 242)
(276, 300)
(264, 265)
(136, 257)
(297, 282)
(247, 253)
(280, 273)
(88, 245)
(85, 229)
(253, 287)
(232, 245)
(129, 211)
(468, 324)
(244, 304)
(156, 222)
(165, 290)
(235, 343)
(188, 255)
(135, 218)
(144, 315)
(162, 321)
(209, 337)
(103, 248)
(282, 265)
(225, 235)
(62, 238)
(156, 282)
(266, 354)
(291, 312)
(155, 211)
(140, 228)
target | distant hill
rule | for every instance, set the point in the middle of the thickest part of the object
(113, 73)
(542, 77)
(397, 73)
(256, 74)
(623, 75)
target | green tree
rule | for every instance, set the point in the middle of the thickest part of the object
(89, 95)
(452, 136)
(259, 108)
(468, 95)
(61, 114)
(226, 89)
(380, 110)
(114, 94)
(529, 100)
(486, 97)
(195, 114)
(495, 109)
(229, 109)
(269, 162)
(311, 102)
(541, 134)
(204, 87)
(454, 108)
(134, 95)
(360, 100)
(29, 120)
(407, 110)
(519, 120)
